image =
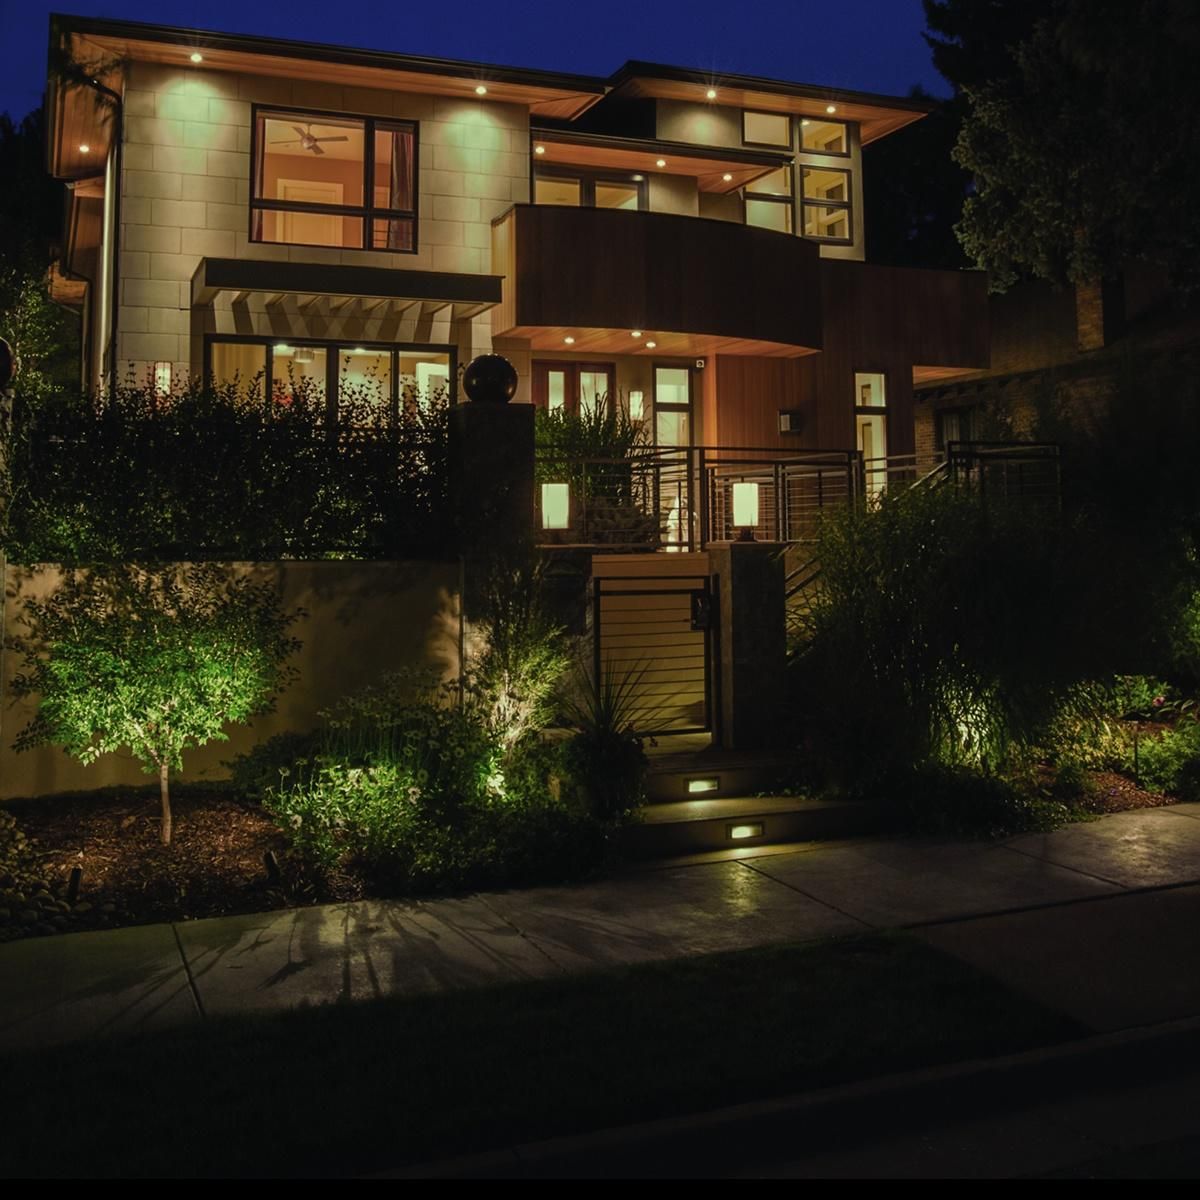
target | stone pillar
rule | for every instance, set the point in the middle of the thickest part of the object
(752, 658)
(491, 472)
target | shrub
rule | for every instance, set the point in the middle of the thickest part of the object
(153, 661)
(267, 764)
(1170, 762)
(218, 472)
(417, 791)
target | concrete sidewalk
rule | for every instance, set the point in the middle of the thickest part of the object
(1059, 922)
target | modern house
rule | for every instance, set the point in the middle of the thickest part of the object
(694, 244)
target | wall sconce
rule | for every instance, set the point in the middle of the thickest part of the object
(162, 379)
(556, 505)
(745, 509)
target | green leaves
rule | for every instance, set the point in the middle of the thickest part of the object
(153, 661)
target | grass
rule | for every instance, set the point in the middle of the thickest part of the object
(362, 1087)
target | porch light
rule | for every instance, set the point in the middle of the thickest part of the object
(711, 94)
(196, 56)
(742, 833)
(556, 505)
(481, 90)
(745, 509)
(662, 162)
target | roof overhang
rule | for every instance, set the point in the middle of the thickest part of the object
(709, 165)
(466, 295)
(877, 116)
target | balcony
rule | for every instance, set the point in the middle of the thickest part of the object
(691, 285)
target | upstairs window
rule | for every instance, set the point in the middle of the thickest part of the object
(827, 204)
(345, 182)
(580, 189)
(767, 129)
(769, 201)
(824, 137)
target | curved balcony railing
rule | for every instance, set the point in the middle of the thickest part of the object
(595, 268)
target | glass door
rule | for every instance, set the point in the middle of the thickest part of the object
(672, 439)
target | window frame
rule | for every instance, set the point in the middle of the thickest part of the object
(571, 368)
(761, 112)
(367, 212)
(332, 348)
(803, 149)
(846, 206)
(587, 178)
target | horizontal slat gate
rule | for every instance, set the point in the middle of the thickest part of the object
(645, 637)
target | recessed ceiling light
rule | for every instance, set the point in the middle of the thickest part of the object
(831, 109)
(651, 345)
(481, 90)
(570, 341)
(727, 177)
(637, 178)
(637, 333)
(85, 149)
(196, 56)
(711, 93)
(805, 121)
(662, 162)
(539, 149)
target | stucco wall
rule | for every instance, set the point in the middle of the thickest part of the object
(186, 189)
(363, 619)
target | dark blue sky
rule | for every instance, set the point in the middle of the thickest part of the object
(871, 45)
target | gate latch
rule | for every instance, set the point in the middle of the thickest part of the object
(701, 611)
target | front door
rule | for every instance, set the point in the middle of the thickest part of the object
(672, 439)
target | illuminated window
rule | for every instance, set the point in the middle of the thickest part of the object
(581, 189)
(334, 181)
(767, 129)
(824, 137)
(827, 204)
(769, 214)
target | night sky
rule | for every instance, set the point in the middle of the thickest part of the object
(870, 45)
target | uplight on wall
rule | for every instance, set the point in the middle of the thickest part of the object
(556, 505)
(745, 509)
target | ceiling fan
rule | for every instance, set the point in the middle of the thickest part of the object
(306, 141)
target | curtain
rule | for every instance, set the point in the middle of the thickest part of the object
(400, 190)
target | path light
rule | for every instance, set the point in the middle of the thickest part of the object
(556, 505)
(745, 509)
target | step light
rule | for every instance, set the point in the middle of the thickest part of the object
(745, 833)
(697, 787)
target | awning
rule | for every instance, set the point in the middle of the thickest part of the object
(468, 295)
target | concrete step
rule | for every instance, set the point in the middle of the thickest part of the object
(712, 775)
(694, 826)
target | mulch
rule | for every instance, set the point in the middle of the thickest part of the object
(1112, 793)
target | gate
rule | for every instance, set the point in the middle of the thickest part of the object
(654, 635)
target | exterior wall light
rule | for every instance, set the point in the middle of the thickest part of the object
(745, 509)
(556, 505)
(196, 56)
(743, 833)
(481, 90)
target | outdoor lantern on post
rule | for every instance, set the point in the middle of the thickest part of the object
(745, 510)
(556, 505)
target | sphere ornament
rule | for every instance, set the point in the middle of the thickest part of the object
(490, 379)
(8, 364)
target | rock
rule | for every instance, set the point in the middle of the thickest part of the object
(59, 921)
(27, 916)
(39, 885)
(81, 908)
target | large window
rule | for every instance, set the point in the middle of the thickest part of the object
(824, 137)
(354, 381)
(348, 182)
(766, 129)
(565, 386)
(769, 201)
(827, 204)
(576, 188)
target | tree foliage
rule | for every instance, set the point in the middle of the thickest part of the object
(1069, 132)
(155, 662)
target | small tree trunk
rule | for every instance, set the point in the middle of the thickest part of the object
(165, 794)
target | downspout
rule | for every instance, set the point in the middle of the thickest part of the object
(115, 290)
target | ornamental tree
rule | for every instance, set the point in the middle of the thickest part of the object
(153, 660)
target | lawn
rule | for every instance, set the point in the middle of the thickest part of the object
(358, 1088)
